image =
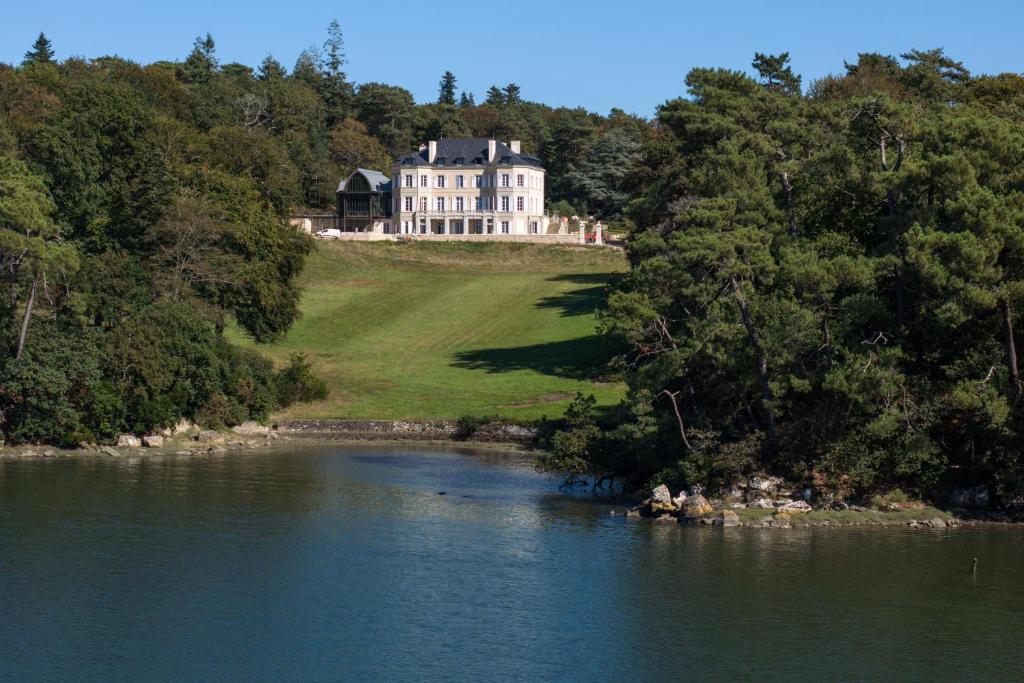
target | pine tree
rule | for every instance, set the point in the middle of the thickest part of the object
(334, 51)
(270, 69)
(41, 52)
(512, 95)
(466, 100)
(495, 97)
(446, 89)
(202, 61)
(776, 73)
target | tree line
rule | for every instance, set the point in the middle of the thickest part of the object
(824, 283)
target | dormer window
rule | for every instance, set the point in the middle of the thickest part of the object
(441, 161)
(506, 160)
(459, 161)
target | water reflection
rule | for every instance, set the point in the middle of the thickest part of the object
(334, 563)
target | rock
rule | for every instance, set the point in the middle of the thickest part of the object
(762, 504)
(725, 518)
(937, 522)
(250, 428)
(696, 506)
(633, 514)
(153, 441)
(128, 441)
(795, 506)
(183, 427)
(183, 452)
(109, 450)
(210, 437)
(765, 483)
(733, 495)
(679, 500)
(661, 494)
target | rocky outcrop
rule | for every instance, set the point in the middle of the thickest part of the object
(128, 441)
(153, 441)
(210, 437)
(794, 506)
(250, 428)
(696, 506)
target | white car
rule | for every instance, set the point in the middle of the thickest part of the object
(329, 234)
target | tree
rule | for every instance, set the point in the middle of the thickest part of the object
(466, 100)
(446, 89)
(202, 61)
(41, 52)
(600, 178)
(270, 69)
(351, 147)
(495, 97)
(31, 254)
(336, 91)
(388, 113)
(776, 73)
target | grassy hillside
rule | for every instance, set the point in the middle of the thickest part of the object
(442, 330)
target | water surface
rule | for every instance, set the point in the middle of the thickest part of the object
(345, 563)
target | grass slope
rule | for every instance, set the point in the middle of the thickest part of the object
(442, 330)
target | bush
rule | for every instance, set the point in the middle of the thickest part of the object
(298, 383)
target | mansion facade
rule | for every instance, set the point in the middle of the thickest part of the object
(455, 186)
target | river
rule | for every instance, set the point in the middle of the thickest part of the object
(332, 562)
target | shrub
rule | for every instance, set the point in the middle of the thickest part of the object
(298, 383)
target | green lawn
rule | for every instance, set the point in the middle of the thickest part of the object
(442, 330)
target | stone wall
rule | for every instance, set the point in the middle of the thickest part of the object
(401, 430)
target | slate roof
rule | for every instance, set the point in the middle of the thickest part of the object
(378, 181)
(471, 152)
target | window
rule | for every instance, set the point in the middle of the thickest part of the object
(459, 204)
(423, 226)
(534, 228)
(460, 181)
(479, 203)
(519, 203)
(408, 180)
(504, 179)
(504, 227)
(459, 161)
(476, 180)
(520, 180)
(423, 203)
(440, 203)
(440, 161)
(440, 181)
(408, 203)
(423, 181)
(504, 203)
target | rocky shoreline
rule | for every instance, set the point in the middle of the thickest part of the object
(185, 439)
(769, 502)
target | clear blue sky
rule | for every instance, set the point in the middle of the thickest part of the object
(597, 54)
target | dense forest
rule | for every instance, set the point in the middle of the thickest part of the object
(824, 283)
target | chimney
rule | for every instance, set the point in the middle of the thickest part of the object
(431, 151)
(492, 148)
(514, 146)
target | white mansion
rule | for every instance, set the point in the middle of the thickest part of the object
(456, 186)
